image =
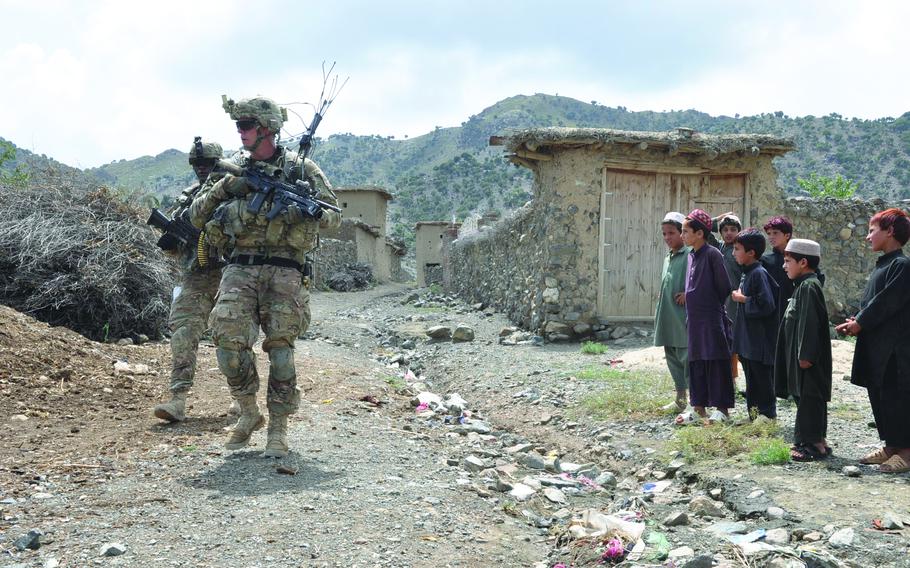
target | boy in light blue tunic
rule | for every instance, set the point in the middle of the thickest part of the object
(670, 316)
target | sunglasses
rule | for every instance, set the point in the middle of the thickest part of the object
(246, 124)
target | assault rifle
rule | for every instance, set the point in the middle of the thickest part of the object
(283, 194)
(178, 232)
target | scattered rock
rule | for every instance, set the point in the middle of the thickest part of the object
(111, 549)
(892, 520)
(463, 333)
(522, 492)
(455, 404)
(842, 537)
(779, 537)
(29, 541)
(703, 506)
(439, 332)
(700, 561)
(474, 463)
(606, 479)
(676, 519)
(474, 426)
(680, 553)
(18, 418)
(813, 536)
(775, 513)
(532, 460)
(554, 495)
(851, 471)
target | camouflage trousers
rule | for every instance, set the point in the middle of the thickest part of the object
(250, 298)
(193, 300)
(305, 316)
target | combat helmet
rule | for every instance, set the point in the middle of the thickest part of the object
(205, 150)
(262, 109)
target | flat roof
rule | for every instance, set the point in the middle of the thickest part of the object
(539, 143)
(365, 189)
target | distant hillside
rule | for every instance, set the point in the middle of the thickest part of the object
(452, 172)
(40, 167)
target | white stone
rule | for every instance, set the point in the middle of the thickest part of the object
(777, 536)
(843, 537)
(775, 513)
(555, 495)
(522, 492)
(681, 552)
(551, 295)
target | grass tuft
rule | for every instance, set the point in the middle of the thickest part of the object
(626, 394)
(593, 348)
(726, 440)
(397, 383)
(770, 451)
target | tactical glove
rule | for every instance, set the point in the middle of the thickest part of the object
(231, 186)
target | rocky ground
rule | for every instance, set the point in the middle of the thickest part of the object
(390, 468)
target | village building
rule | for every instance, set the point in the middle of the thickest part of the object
(430, 242)
(586, 252)
(362, 236)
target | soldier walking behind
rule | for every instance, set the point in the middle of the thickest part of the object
(194, 296)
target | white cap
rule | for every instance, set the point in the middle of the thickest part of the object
(674, 217)
(804, 246)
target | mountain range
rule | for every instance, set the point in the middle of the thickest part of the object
(452, 172)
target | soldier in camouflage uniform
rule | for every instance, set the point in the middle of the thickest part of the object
(194, 297)
(262, 284)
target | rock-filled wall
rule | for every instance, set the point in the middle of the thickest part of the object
(502, 266)
(332, 256)
(840, 227)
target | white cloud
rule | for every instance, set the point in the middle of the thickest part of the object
(120, 83)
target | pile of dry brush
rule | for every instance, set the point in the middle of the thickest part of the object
(83, 258)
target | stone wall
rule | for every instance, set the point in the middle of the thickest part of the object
(502, 266)
(840, 227)
(332, 256)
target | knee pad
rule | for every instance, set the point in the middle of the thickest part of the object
(281, 364)
(235, 363)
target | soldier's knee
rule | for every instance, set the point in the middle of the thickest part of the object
(233, 360)
(281, 364)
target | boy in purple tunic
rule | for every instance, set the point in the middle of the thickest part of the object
(709, 328)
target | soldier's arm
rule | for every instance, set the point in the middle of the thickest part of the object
(330, 219)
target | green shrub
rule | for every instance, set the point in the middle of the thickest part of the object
(772, 451)
(837, 187)
(593, 348)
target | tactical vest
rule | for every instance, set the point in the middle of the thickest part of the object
(238, 231)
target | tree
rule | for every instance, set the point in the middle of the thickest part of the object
(837, 187)
(18, 176)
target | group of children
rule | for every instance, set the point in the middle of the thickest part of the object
(730, 302)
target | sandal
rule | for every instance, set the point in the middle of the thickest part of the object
(717, 417)
(877, 457)
(687, 418)
(895, 464)
(807, 453)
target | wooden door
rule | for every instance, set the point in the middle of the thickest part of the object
(631, 252)
(631, 247)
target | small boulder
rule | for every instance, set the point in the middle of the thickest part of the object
(676, 519)
(439, 332)
(463, 333)
(703, 506)
(111, 549)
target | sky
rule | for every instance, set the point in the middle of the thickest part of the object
(97, 81)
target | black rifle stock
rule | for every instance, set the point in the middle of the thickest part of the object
(178, 232)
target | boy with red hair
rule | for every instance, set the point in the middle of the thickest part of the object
(881, 362)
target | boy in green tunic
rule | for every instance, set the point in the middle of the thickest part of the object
(802, 366)
(670, 316)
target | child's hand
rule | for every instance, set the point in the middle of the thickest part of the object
(803, 364)
(680, 298)
(738, 297)
(849, 327)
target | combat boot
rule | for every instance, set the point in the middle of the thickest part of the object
(276, 445)
(173, 410)
(250, 420)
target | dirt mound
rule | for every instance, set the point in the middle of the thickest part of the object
(59, 393)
